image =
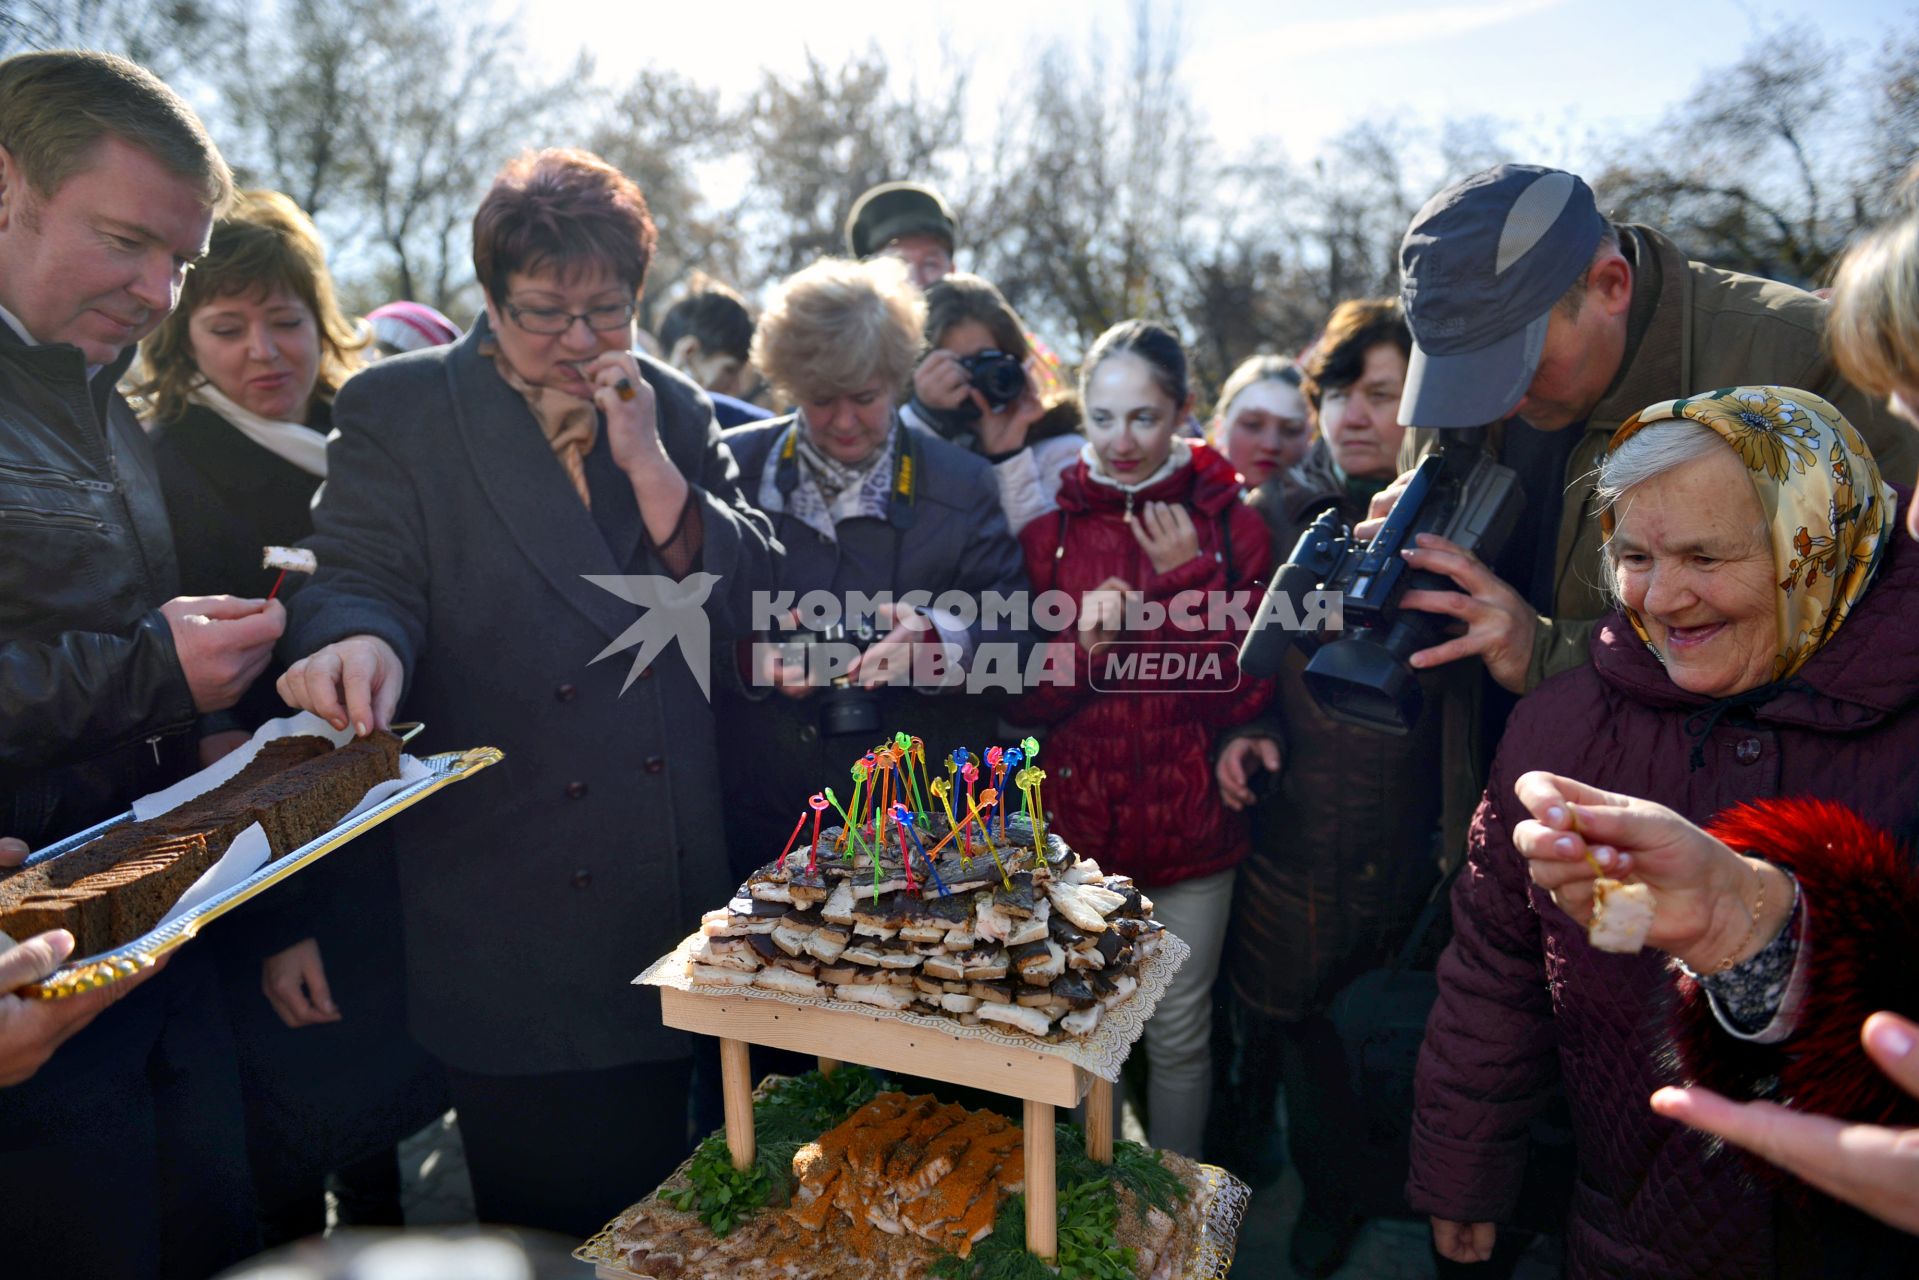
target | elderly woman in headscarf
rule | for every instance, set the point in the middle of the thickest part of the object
(1759, 650)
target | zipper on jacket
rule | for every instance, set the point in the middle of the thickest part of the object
(51, 519)
(50, 477)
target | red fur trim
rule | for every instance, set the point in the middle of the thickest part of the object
(1859, 889)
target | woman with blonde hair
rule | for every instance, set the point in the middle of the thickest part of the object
(863, 505)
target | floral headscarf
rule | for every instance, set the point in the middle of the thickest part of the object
(1824, 501)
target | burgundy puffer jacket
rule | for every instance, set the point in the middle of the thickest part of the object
(1525, 1003)
(1130, 776)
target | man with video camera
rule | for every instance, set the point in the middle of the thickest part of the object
(1532, 312)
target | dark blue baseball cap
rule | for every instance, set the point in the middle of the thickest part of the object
(1480, 269)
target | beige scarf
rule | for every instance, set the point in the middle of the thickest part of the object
(570, 423)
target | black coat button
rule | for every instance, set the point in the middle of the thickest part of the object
(646, 673)
(574, 790)
(809, 734)
(656, 764)
(1748, 751)
(566, 693)
(581, 879)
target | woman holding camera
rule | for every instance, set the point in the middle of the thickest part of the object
(983, 388)
(863, 505)
(1149, 519)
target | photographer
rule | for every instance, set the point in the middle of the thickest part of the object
(1530, 310)
(983, 388)
(862, 504)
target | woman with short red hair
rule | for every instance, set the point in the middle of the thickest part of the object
(499, 514)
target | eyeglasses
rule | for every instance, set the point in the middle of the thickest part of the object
(549, 321)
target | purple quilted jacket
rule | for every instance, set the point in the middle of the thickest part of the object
(1526, 1004)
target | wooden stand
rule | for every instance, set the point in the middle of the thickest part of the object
(1043, 1081)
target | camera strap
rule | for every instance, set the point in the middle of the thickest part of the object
(903, 510)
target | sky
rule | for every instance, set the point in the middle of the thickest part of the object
(1268, 72)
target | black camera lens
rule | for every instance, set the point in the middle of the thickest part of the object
(998, 377)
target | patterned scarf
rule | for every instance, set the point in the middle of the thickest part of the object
(830, 491)
(1825, 504)
(571, 424)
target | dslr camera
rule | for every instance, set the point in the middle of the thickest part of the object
(1361, 675)
(844, 706)
(998, 377)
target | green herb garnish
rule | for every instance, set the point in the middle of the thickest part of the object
(720, 1194)
(785, 1118)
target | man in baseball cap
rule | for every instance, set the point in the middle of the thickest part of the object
(1483, 266)
(1532, 311)
(909, 221)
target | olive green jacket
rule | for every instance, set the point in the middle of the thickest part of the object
(1691, 328)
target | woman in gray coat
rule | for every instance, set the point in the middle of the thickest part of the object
(862, 504)
(491, 513)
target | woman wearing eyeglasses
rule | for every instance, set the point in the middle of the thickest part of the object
(498, 515)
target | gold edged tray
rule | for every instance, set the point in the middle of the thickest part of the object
(107, 967)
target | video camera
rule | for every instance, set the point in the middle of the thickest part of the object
(1362, 677)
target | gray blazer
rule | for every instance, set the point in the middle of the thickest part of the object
(535, 892)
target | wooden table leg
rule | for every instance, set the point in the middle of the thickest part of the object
(1042, 1187)
(736, 1086)
(1099, 1121)
(829, 1065)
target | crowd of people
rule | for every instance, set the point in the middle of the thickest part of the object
(1688, 666)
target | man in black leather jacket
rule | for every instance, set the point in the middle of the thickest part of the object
(108, 188)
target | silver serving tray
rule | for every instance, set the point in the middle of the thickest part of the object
(93, 972)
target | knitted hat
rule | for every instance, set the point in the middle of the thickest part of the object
(411, 326)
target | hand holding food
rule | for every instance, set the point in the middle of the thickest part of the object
(223, 644)
(1695, 898)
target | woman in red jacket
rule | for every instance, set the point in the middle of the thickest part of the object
(1149, 540)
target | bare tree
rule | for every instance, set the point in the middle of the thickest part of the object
(1892, 141)
(1093, 185)
(817, 140)
(165, 36)
(656, 131)
(1761, 179)
(295, 79)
